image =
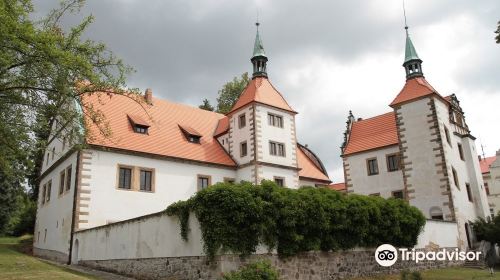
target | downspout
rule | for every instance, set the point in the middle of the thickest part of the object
(75, 195)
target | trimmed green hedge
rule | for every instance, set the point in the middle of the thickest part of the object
(238, 217)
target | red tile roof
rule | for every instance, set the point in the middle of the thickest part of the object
(338, 187)
(138, 120)
(413, 89)
(372, 133)
(309, 169)
(485, 164)
(260, 90)
(164, 136)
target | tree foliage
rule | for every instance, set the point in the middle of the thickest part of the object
(45, 69)
(497, 38)
(228, 95)
(488, 229)
(259, 270)
(238, 217)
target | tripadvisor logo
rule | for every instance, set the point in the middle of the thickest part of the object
(387, 255)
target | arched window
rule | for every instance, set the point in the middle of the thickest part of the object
(436, 213)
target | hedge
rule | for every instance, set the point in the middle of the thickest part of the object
(238, 217)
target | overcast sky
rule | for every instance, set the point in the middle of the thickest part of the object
(325, 57)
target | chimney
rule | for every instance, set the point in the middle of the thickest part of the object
(148, 96)
(360, 119)
(479, 157)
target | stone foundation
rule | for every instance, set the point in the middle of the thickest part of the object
(50, 255)
(310, 266)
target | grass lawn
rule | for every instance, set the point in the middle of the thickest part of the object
(458, 273)
(16, 265)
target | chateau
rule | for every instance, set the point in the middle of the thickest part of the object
(490, 168)
(163, 152)
(421, 150)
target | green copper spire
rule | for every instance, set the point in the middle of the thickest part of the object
(410, 52)
(412, 63)
(258, 48)
(259, 58)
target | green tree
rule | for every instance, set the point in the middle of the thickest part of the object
(498, 33)
(228, 95)
(488, 230)
(44, 71)
(206, 105)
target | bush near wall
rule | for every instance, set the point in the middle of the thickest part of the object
(260, 270)
(238, 217)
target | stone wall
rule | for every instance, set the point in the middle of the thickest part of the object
(50, 255)
(310, 266)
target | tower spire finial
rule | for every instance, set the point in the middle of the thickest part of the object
(259, 58)
(412, 63)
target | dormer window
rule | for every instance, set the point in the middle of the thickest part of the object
(191, 134)
(139, 125)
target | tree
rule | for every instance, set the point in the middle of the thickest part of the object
(44, 72)
(498, 33)
(229, 94)
(206, 105)
(488, 230)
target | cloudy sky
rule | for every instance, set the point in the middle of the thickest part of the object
(325, 57)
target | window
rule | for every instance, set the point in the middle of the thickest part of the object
(436, 213)
(280, 181)
(49, 190)
(47, 161)
(140, 129)
(44, 193)
(275, 120)
(447, 134)
(242, 121)
(392, 162)
(62, 181)
(53, 152)
(243, 149)
(68, 177)
(146, 180)
(469, 192)
(455, 177)
(372, 166)
(203, 182)
(125, 178)
(461, 151)
(374, 194)
(45, 236)
(486, 188)
(64, 143)
(193, 139)
(398, 194)
(276, 149)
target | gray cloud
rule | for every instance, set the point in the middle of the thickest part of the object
(186, 50)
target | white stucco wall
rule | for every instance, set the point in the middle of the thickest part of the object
(384, 183)
(55, 215)
(269, 172)
(493, 178)
(442, 233)
(238, 135)
(174, 181)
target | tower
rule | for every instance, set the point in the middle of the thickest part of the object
(259, 58)
(412, 63)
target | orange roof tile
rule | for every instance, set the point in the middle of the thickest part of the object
(190, 130)
(164, 136)
(222, 127)
(309, 169)
(260, 90)
(413, 89)
(372, 133)
(485, 164)
(338, 187)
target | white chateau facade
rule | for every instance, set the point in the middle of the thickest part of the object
(490, 167)
(164, 153)
(421, 151)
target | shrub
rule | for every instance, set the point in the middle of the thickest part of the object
(260, 270)
(407, 275)
(239, 217)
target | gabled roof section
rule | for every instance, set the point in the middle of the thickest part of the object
(222, 127)
(485, 164)
(260, 90)
(189, 130)
(414, 89)
(372, 133)
(338, 187)
(310, 165)
(138, 120)
(164, 136)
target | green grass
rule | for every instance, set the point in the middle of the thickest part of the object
(16, 265)
(458, 273)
